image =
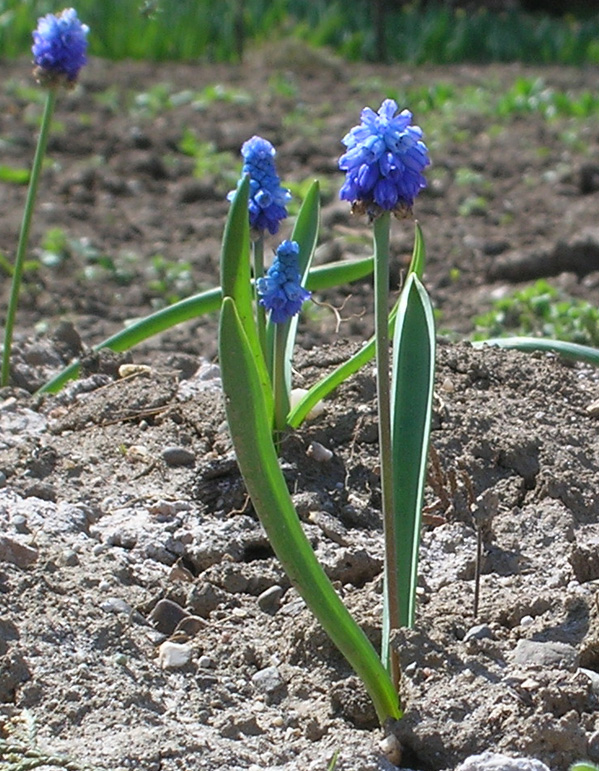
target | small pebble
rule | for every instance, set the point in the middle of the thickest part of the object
(268, 680)
(173, 655)
(69, 558)
(270, 599)
(19, 522)
(297, 394)
(391, 749)
(479, 632)
(526, 621)
(205, 662)
(128, 370)
(17, 553)
(116, 605)
(319, 452)
(178, 456)
(166, 615)
(447, 386)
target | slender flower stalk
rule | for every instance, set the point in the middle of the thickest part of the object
(258, 264)
(381, 335)
(60, 44)
(384, 162)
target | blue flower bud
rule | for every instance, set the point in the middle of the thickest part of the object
(384, 162)
(267, 198)
(59, 48)
(280, 290)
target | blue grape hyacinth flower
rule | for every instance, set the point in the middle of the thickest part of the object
(267, 199)
(384, 162)
(59, 48)
(280, 290)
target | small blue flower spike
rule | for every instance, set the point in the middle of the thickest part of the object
(384, 162)
(267, 198)
(280, 290)
(59, 48)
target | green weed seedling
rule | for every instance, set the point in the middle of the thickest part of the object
(540, 310)
(208, 161)
(14, 175)
(171, 280)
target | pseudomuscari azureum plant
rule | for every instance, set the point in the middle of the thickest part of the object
(59, 52)
(384, 162)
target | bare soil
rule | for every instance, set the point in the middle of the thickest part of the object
(144, 622)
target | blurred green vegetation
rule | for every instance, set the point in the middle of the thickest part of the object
(540, 310)
(189, 30)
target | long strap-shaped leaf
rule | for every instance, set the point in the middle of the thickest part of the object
(322, 277)
(411, 408)
(236, 282)
(251, 433)
(562, 347)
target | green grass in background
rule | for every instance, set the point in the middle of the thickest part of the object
(189, 30)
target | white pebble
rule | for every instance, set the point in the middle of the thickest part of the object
(172, 655)
(295, 397)
(319, 452)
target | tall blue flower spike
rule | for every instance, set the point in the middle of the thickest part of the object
(59, 48)
(280, 290)
(384, 162)
(267, 199)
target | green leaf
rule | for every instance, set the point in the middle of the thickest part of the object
(249, 424)
(411, 408)
(209, 301)
(563, 348)
(337, 273)
(236, 279)
(418, 254)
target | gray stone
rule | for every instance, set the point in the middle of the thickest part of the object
(479, 632)
(490, 761)
(69, 558)
(270, 599)
(268, 680)
(551, 655)
(166, 615)
(116, 605)
(17, 553)
(178, 456)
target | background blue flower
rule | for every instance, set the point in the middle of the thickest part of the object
(267, 198)
(280, 290)
(384, 161)
(59, 47)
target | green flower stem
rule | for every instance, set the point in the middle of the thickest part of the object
(279, 380)
(24, 235)
(258, 258)
(381, 325)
